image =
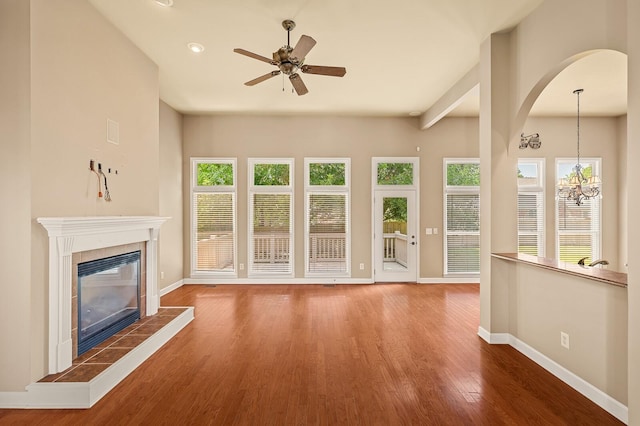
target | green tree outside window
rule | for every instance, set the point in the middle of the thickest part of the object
(463, 174)
(214, 174)
(395, 174)
(327, 174)
(271, 175)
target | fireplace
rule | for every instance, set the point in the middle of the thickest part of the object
(108, 297)
(95, 237)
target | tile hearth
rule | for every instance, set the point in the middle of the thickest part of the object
(93, 362)
(100, 369)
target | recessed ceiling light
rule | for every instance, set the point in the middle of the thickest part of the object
(195, 47)
(415, 113)
(164, 3)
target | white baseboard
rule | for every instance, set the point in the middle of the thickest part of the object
(85, 395)
(449, 280)
(345, 280)
(168, 289)
(221, 281)
(606, 402)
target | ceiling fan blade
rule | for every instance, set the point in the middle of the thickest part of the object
(321, 70)
(298, 84)
(253, 55)
(305, 44)
(262, 78)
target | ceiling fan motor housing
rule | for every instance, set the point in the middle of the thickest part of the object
(281, 57)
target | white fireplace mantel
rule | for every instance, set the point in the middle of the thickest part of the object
(68, 235)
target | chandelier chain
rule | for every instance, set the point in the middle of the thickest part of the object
(578, 139)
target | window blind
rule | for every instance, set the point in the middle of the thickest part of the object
(463, 233)
(327, 219)
(531, 223)
(578, 230)
(271, 233)
(214, 230)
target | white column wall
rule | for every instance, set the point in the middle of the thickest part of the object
(498, 211)
(633, 176)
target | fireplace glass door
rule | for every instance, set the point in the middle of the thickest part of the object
(108, 297)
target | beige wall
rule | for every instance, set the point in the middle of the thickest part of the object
(633, 207)
(15, 184)
(554, 35)
(543, 303)
(598, 138)
(83, 72)
(354, 137)
(171, 200)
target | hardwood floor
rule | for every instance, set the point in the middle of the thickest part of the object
(346, 355)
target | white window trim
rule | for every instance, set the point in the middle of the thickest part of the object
(597, 164)
(471, 190)
(195, 189)
(540, 188)
(266, 189)
(327, 189)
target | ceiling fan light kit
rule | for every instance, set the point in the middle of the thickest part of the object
(291, 60)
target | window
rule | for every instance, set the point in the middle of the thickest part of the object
(327, 244)
(271, 216)
(462, 216)
(395, 174)
(213, 201)
(578, 227)
(531, 206)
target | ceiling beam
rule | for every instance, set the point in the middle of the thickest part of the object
(453, 97)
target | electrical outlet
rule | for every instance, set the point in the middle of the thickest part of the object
(242, 266)
(564, 339)
(162, 275)
(362, 266)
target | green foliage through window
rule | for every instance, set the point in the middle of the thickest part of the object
(271, 174)
(463, 174)
(394, 209)
(327, 174)
(395, 174)
(214, 174)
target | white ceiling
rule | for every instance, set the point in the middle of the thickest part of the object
(400, 57)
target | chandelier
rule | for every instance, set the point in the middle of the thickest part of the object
(577, 187)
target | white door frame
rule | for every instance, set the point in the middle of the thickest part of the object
(401, 190)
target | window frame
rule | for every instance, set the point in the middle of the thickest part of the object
(456, 190)
(275, 190)
(212, 189)
(414, 161)
(309, 190)
(539, 190)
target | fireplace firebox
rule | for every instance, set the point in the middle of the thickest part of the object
(108, 297)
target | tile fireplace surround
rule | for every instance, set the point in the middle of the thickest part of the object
(69, 235)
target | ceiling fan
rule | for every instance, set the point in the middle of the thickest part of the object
(291, 60)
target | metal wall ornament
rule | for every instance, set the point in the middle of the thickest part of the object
(530, 141)
(577, 187)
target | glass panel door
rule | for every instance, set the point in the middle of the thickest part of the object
(395, 239)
